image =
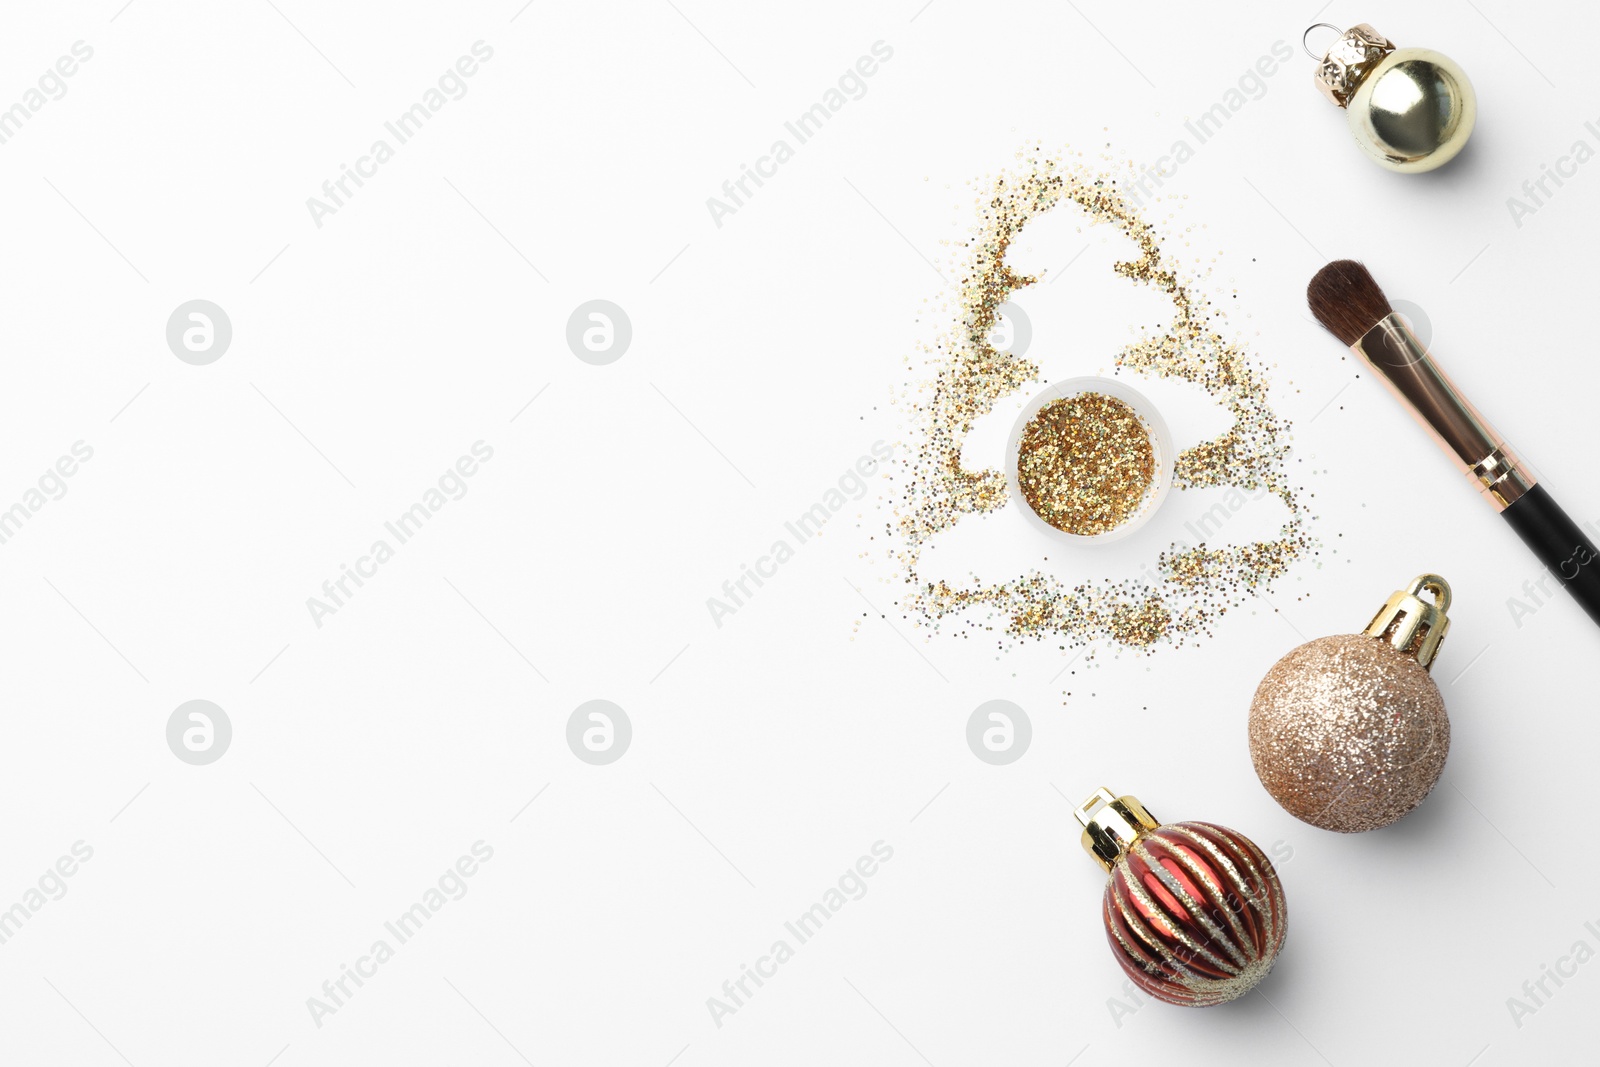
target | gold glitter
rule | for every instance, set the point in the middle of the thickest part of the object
(1085, 463)
(1191, 586)
(1140, 625)
(1348, 734)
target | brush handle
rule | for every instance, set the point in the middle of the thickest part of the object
(1557, 541)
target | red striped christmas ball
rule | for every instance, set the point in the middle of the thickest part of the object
(1195, 913)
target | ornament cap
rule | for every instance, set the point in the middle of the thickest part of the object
(1411, 625)
(1111, 823)
(1349, 60)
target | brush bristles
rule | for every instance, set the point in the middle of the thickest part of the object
(1346, 300)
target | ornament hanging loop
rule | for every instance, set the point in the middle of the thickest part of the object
(1306, 48)
(1411, 625)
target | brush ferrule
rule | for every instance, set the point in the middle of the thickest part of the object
(1400, 360)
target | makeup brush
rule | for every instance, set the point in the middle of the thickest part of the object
(1346, 300)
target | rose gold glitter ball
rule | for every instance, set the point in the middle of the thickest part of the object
(1348, 734)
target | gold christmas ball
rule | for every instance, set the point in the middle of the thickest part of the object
(1348, 733)
(1410, 109)
(1415, 111)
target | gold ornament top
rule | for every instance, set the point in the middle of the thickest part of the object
(1349, 60)
(1411, 625)
(1111, 823)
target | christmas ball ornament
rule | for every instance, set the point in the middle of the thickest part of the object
(1350, 733)
(1410, 109)
(1194, 912)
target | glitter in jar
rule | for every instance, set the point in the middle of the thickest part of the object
(1085, 463)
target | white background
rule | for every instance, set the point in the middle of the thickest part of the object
(767, 356)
